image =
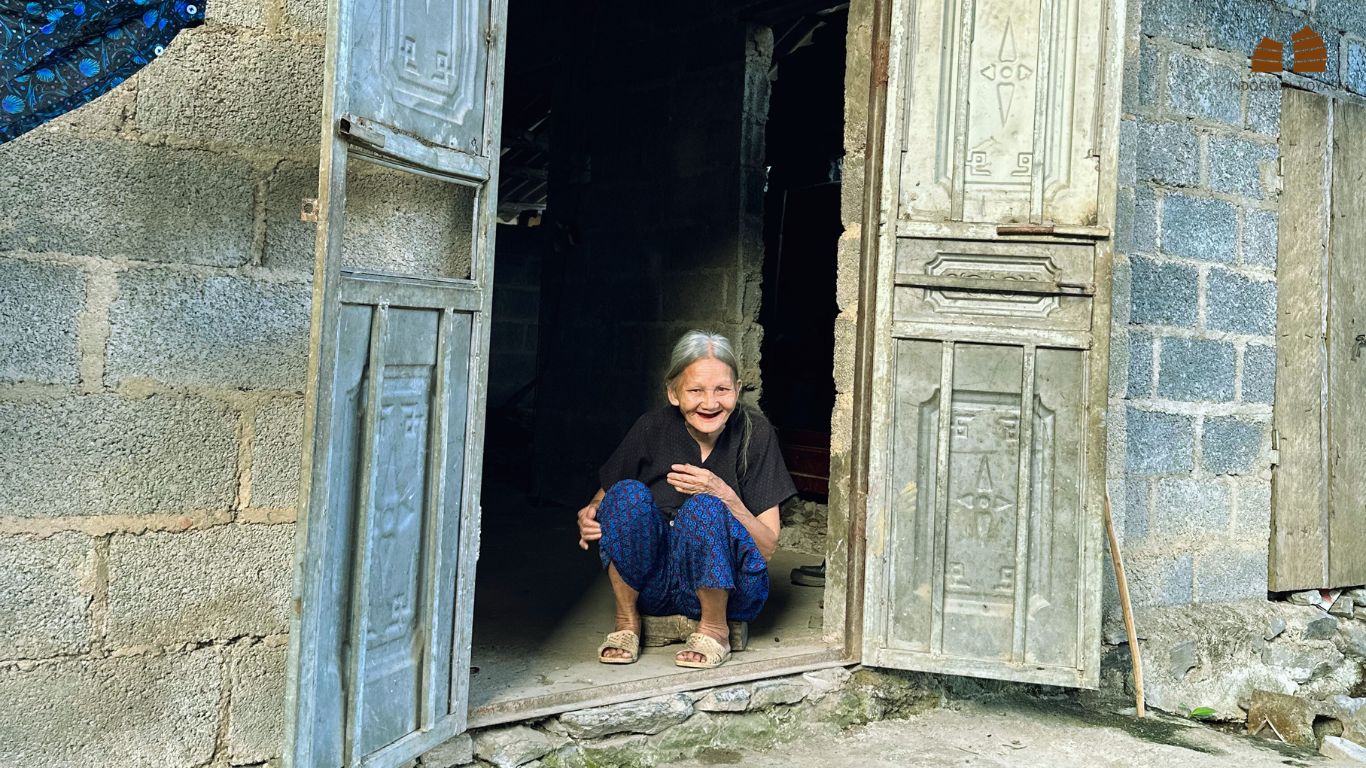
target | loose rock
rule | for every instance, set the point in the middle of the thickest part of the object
(511, 747)
(1182, 659)
(457, 751)
(1307, 597)
(1353, 640)
(1358, 596)
(1292, 717)
(1341, 606)
(770, 692)
(1275, 629)
(1339, 748)
(647, 716)
(1321, 629)
(824, 681)
(733, 699)
(1301, 662)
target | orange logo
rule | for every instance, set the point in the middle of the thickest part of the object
(1311, 55)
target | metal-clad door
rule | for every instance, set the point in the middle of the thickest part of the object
(389, 520)
(987, 472)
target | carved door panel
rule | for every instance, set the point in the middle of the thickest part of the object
(1006, 103)
(389, 522)
(991, 340)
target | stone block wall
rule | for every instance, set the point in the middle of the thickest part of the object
(154, 302)
(1193, 341)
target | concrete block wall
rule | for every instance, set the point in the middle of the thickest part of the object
(154, 303)
(1193, 340)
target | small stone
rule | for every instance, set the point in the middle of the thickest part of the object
(1341, 606)
(1301, 662)
(1353, 640)
(1307, 597)
(646, 716)
(1292, 717)
(733, 699)
(1321, 628)
(1358, 596)
(1182, 659)
(1347, 703)
(457, 751)
(770, 693)
(631, 751)
(1275, 629)
(511, 747)
(825, 681)
(1339, 748)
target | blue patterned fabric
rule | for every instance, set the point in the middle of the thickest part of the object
(706, 547)
(56, 55)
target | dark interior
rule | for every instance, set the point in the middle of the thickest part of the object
(660, 171)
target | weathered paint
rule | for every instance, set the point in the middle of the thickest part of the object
(987, 451)
(388, 534)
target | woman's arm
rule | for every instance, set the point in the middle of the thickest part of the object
(589, 530)
(763, 527)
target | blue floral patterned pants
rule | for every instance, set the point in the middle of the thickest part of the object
(706, 547)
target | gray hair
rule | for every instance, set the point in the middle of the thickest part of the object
(702, 345)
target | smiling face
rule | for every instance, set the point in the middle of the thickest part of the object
(706, 394)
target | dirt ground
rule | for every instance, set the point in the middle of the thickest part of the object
(1023, 734)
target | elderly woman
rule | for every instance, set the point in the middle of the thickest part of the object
(687, 515)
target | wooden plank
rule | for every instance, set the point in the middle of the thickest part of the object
(1347, 352)
(906, 578)
(405, 291)
(356, 736)
(941, 498)
(1024, 513)
(1299, 531)
(902, 329)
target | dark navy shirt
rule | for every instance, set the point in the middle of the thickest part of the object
(660, 439)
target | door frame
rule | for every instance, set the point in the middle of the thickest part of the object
(848, 516)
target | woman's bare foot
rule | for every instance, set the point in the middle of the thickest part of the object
(628, 617)
(627, 622)
(720, 634)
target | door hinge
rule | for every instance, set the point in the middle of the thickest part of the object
(1275, 447)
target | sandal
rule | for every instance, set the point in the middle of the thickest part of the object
(712, 651)
(622, 640)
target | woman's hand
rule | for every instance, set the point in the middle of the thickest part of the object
(686, 478)
(589, 530)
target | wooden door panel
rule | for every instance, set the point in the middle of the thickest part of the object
(995, 285)
(1006, 108)
(988, 570)
(388, 535)
(1318, 521)
(1299, 531)
(419, 68)
(1347, 352)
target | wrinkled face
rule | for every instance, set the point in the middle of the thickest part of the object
(706, 394)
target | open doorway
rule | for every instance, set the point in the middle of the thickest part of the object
(642, 151)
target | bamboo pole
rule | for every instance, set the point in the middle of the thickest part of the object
(1123, 583)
